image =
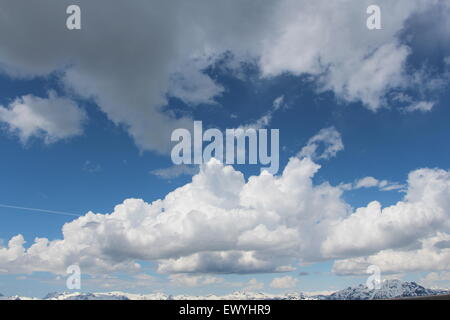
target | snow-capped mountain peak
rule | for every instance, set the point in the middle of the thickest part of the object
(389, 289)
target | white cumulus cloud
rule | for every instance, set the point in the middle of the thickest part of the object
(217, 223)
(411, 235)
(222, 223)
(53, 118)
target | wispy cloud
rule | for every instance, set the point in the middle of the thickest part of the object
(422, 106)
(91, 167)
(371, 182)
(331, 141)
(286, 282)
(175, 171)
(266, 119)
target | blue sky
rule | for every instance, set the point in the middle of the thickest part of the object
(112, 151)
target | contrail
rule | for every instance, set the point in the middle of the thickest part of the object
(62, 213)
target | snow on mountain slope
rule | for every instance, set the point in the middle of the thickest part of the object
(115, 295)
(240, 295)
(160, 296)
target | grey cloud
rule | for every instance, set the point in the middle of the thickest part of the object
(130, 55)
(125, 53)
(443, 244)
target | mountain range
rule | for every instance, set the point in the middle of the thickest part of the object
(390, 289)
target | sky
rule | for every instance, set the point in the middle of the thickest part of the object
(86, 116)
